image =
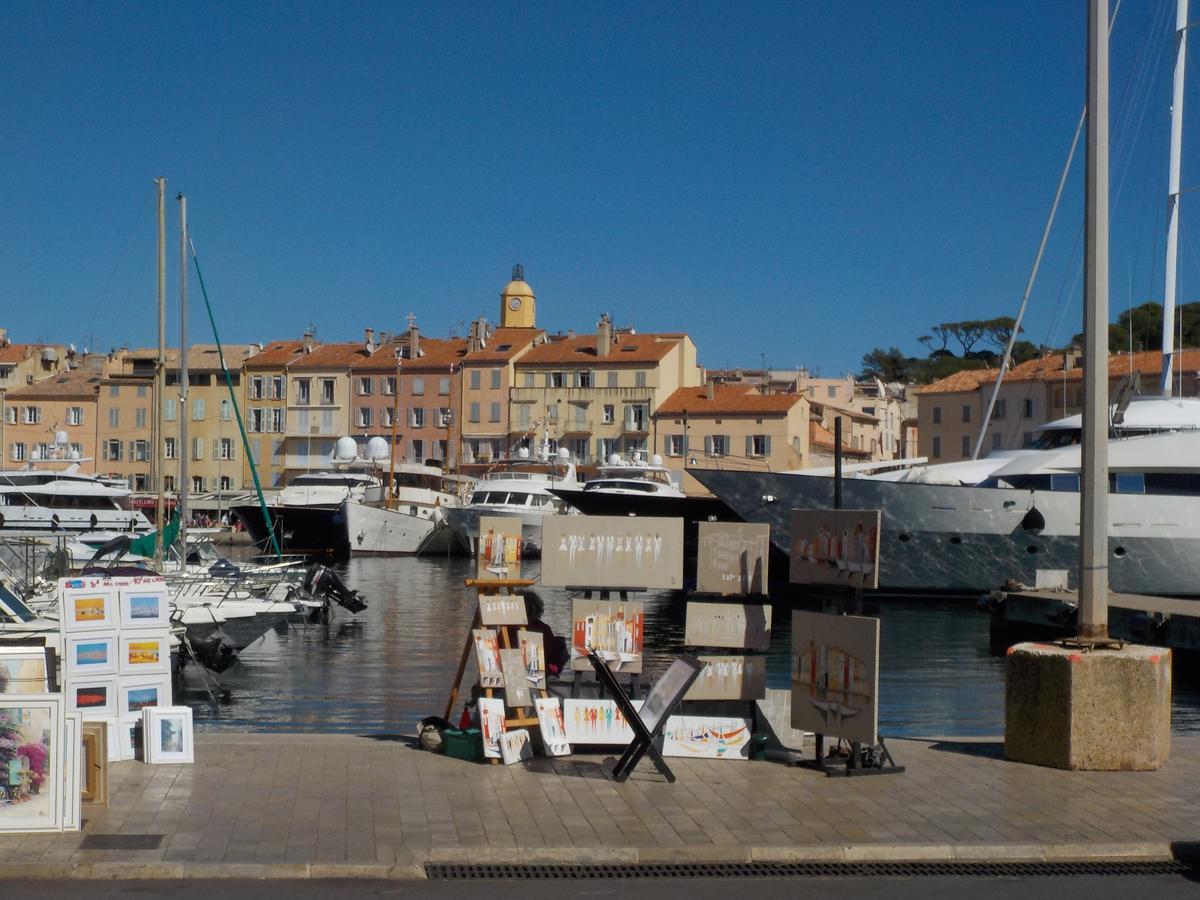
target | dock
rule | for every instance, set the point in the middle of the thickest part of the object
(1138, 618)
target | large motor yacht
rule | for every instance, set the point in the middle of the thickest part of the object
(44, 501)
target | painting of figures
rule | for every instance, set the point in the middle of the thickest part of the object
(498, 552)
(487, 653)
(730, 678)
(533, 654)
(491, 724)
(835, 546)
(596, 722)
(740, 626)
(612, 552)
(515, 746)
(553, 728)
(502, 609)
(709, 737)
(516, 685)
(835, 675)
(732, 558)
(613, 628)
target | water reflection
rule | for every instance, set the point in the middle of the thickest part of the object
(386, 668)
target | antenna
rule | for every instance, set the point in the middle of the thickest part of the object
(518, 272)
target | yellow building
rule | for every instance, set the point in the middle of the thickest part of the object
(265, 408)
(22, 365)
(63, 402)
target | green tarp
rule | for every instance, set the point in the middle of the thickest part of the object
(144, 546)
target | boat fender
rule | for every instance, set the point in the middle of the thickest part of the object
(93, 521)
(1034, 522)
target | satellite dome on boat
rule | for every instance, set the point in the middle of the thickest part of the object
(35, 453)
(522, 453)
(61, 438)
(656, 460)
(73, 454)
(346, 449)
(377, 449)
(615, 459)
(564, 454)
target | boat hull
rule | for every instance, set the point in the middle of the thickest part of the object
(464, 522)
(299, 529)
(375, 530)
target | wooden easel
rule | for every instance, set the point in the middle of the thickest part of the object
(580, 678)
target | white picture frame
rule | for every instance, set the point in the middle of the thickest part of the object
(112, 737)
(130, 738)
(169, 738)
(34, 719)
(145, 653)
(145, 607)
(88, 609)
(72, 770)
(138, 693)
(94, 698)
(89, 655)
(24, 670)
(515, 746)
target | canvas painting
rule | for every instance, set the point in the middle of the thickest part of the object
(707, 737)
(145, 654)
(516, 685)
(94, 786)
(533, 654)
(552, 726)
(498, 551)
(72, 769)
(139, 693)
(835, 546)
(835, 675)
(145, 607)
(167, 734)
(93, 697)
(23, 670)
(87, 610)
(515, 746)
(596, 722)
(89, 655)
(731, 558)
(730, 678)
(502, 609)
(615, 629)
(487, 654)
(31, 760)
(631, 552)
(740, 626)
(491, 724)
(130, 736)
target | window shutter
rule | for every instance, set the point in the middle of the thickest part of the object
(216, 449)
(683, 440)
(749, 445)
(767, 445)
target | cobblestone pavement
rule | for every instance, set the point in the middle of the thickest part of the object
(325, 805)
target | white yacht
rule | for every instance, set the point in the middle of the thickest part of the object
(634, 476)
(43, 501)
(519, 487)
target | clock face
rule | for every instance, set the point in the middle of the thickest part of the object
(514, 303)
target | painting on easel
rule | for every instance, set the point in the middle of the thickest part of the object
(533, 654)
(740, 626)
(516, 686)
(498, 553)
(732, 558)
(487, 652)
(641, 552)
(614, 629)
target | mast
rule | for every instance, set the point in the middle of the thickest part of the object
(184, 412)
(160, 380)
(1169, 287)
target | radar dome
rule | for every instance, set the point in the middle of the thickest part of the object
(564, 454)
(60, 437)
(73, 454)
(522, 453)
(35, 453)
(615, 459)
(345, 449)
(377, 448)
(656, 460)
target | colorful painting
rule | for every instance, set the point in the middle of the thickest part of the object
(835, 675)
(487, 654)
(23, 670)
(145, 607)
(168, 734)
(552, 726)
(90, 655)
(515, 746)
(596, 722)
(139, 693)
(631, 552)
(533, 655)
(88, 609)
(835, 546)
(502, 609)
(731, 558)
(93, 698)
(31, 773)
(707, 737)
(498, 550)
(491, 725)
(516, 685)
(612, 628)
(730, 678)
(145, 655)
(740, 626)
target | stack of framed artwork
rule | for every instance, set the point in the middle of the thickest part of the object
(116, 647)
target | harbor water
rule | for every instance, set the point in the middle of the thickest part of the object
(381, 671)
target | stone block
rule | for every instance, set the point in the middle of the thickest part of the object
(1095, 710)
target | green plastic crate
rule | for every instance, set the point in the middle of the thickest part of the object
(464, 744)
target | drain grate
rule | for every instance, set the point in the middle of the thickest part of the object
(803, 870)
(121, 842)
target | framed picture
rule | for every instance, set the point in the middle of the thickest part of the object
(129, 734)
(112, 735)
(145, 607)
(553, 728)
(88, 609)
(94, 697)
(168, 731)
(94, 784)
(491, 725)
(24, 670)
(145, 654)
(31, 762)
(89, 655)
(139, 693)
(515, 746)
(72, 769)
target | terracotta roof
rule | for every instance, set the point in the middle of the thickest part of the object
(966, 380)
(436, 354)
(82, 383)
(15, 353)
(1051, 368)
(338, 355)
(503, 345)
(739, 399)
(581, 349)
(275, 354)
(201, 357)
(820, 436)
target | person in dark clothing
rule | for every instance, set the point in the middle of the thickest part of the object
(557, 654)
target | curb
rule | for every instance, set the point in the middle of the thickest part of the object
(413, 868)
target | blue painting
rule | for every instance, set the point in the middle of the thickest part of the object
(145, 607)
(139, 698)
(91, 654)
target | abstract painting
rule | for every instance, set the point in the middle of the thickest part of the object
(498, 551)
(145, 654)
(145, 607)
(487, 653)
(835, 675)
(502, 609)
(168, 734)
(491, 725)
(88, 609)
(95, 698)
(835, 546)
(31, 762)
(707, 737)
(596, 722)
(731, 558)
(740, 626)
(533, 654)
(515, 746)
(730, 678)
(516, 685)
(637, 552)
(615, 629)
(23, 670)
(139, 693)
(88, 655)
(553, 728)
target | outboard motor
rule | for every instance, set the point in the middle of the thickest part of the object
(216, 652)
(323, 582)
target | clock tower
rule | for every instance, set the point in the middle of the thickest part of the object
(517, 304)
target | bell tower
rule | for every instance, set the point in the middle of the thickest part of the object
(518, 307)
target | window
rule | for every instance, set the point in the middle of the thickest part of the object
(554, 379)
(114, 390)
(936, 450)
(612, 379)
(495, 379)
(114, 418)
(610, 414)
(277, 420)
(112, 450)
(966, 446)
(493, 412)
(1030, 407)
(198, 448)
(225, 448)
(303, 391)
(1027, 439)
(198, 409)
(635, 417)
(937, 415)
(139, 417)
(639, 379)
(364, 417)
(387, 385)
(33, 415)
(278, 387)
(474, 412)
(528, 379)
(18, 452)
(476, 378)
(552, 412)
(997, 442)
(417, 419)
(831, 391)
(141, 390)
(226, 483)
(168, 482)
(387, 417)
(139, 451)
(10, 415)
(327, 391)
(75, 415)
(674, 445)
(225, 411)
(966, 413)
(584, 379)
(523, 415)
(197, 484)
(1129, 483)
(417, 451)
(170, 448)
(140, 482)
(418, 386)
(444, 386)
(254, 419)
(256, 387)
(445, 418)
(1000, 410)
(170, 406)
(77, 450)
(364, 386)
(758, 445)
(717, 445)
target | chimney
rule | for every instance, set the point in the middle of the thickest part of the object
(308, 342)
(3, 337)
(414, 338)
(384, 338)
(1070, 359)
(369, 340)
(473, 343)
(604, 335)
(570, 334)
(710, 391)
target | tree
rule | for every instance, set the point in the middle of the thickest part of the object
(997, 331)
(943, 334)
(967, 333)
(887, 365)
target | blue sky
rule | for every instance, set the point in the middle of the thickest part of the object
(802, 181)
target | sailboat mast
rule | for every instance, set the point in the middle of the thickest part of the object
(184, 412)
(160, 379)
(1169, 287)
